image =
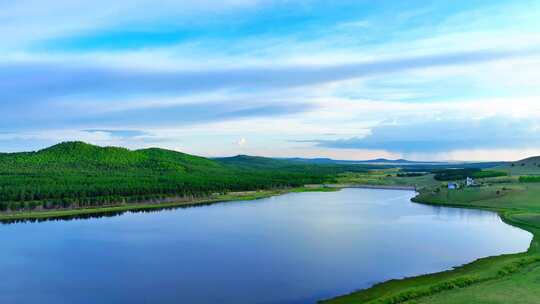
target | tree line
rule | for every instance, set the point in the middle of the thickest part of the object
(75, 175)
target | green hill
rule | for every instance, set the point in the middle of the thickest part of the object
(76, 174)
(75, 156)
(528, 166)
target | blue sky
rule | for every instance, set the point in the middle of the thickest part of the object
(433, 80)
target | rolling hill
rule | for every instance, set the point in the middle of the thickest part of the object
(527, 166)
(76, 174)
(79, 156)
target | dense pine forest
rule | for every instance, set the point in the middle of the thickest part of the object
(76, 174)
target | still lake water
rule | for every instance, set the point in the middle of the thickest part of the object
(295, 248)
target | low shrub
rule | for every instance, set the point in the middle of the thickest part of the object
(424, 292)
(529, 179)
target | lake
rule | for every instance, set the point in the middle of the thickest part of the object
(294, 248)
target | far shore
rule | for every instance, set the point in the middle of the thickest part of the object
(7, 217)
(152, 205)
(365, 186)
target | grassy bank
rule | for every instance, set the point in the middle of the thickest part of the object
(118, 209)
(502, 279)
(388, 177)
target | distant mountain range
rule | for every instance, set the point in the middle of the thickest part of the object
(406, 164)
(258, 161)
(378, 161)
(261, 162)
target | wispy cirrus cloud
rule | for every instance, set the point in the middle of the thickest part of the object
(52, 116)
(26, 22)
(42, 81)
(313, 77)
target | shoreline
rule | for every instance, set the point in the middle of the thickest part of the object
(367, 186)
(402, 290)
(7, 218)
(391, 290)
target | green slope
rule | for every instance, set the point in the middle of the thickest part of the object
(76, 174)
(528, 166)
(75, 156)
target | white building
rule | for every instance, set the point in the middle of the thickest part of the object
(470, 182)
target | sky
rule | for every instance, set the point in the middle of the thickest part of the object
(348, 79)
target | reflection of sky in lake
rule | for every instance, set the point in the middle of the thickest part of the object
(294, 248)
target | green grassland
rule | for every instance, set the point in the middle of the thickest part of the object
(387, 177)
(502, 279)
(528, 166)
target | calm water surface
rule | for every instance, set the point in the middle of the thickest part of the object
(295, 248)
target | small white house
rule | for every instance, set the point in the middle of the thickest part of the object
(470, 182)
(453, 186)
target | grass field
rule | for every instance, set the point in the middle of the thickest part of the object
(503, 279)
(387, 177)
(529, 166)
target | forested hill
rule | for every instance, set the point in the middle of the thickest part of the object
(76, 174)
(79, 156)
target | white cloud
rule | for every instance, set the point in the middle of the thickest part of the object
(241, 142)
(342, 107)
